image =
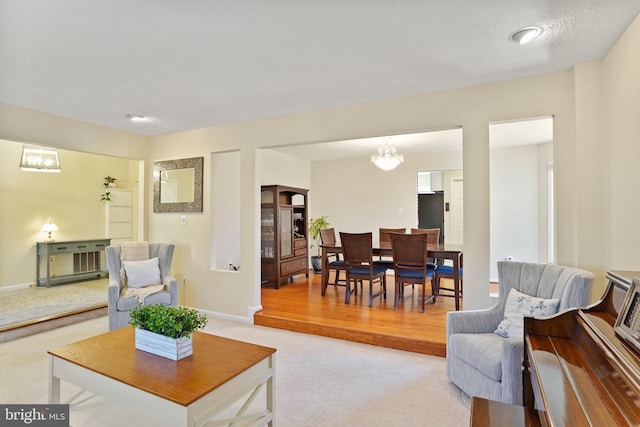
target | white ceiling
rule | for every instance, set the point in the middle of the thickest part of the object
(198, 63)
(525, 132)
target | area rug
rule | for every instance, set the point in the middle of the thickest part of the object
(320, 382)
(33, 303)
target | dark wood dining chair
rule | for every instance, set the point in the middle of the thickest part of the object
(446, 272)
(410, 266)
(328, 238)
(433, 239)
(357, 249)
(384, 237)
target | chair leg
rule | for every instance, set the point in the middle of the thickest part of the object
(347, 293)
(423, 295)
(397, 295)
(384, 286)
(434, 291)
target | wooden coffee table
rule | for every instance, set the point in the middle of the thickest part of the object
(190, 392)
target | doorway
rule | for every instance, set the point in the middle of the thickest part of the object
(440, 204)
(521, 191)
(456, 207)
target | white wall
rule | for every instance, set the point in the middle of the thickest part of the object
(358, 197)
(514, 205)
(282, 169)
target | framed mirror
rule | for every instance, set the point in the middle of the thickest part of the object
(177, 185)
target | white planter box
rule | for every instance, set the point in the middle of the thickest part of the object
(171, 348)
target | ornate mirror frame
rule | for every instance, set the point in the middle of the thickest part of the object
(197, 164)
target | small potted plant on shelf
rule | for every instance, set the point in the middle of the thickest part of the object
(166, 330)
(109, 183)
(315, 225)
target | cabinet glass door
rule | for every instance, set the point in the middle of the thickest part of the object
(267, 248)
(286, 232)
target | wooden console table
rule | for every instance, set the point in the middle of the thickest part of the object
(195, 391)
(87, 256)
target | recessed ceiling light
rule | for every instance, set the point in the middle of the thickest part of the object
(138, 118)
(525, 35)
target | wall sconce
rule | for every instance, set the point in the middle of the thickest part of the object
(49, 228)
(40, 159)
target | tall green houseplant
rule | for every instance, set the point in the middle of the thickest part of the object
(315, 225)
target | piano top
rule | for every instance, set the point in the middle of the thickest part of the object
(581, 372)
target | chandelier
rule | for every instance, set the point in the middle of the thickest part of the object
(387, 158)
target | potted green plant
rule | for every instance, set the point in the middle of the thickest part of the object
(109, 183)
(165, 330)
(315, 225)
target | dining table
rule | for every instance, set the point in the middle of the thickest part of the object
(441, 251)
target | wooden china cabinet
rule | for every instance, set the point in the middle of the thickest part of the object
(283, 248)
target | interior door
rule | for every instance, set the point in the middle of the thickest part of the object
(456, 207)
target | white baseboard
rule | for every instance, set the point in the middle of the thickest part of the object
(16, 287)
(226, 316)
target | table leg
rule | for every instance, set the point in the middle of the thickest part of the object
(325, 271)
(271, 392)
(54, 384)
(456, 281)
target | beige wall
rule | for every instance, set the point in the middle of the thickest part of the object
(23, 125)
(620, 149)
(472, 108)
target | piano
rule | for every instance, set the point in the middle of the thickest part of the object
(579, 368)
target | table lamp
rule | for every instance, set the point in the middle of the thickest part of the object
(49, 228)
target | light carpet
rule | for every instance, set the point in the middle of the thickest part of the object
(319, 381)
(33, 303)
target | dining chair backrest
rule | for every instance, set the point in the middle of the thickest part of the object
(432, 233)
(409, 251)
(357, 248)
(328, 236)
(384, 236)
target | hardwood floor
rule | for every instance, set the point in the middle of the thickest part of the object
(298, 306)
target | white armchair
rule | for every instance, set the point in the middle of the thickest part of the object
(119, 303)
(483, 363)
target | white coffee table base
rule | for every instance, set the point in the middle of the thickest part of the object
(204, 412)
